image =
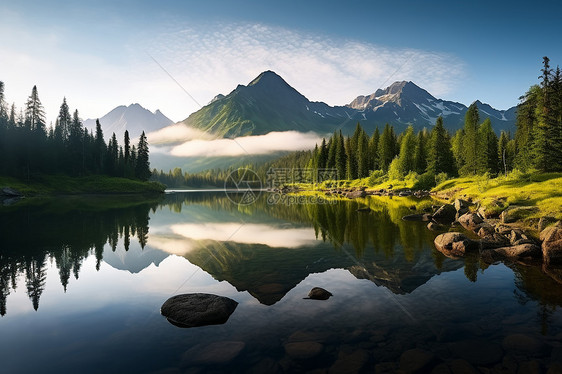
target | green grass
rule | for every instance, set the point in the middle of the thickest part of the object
(541, 190)
(49, 185)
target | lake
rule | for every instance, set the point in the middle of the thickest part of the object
(83, 279)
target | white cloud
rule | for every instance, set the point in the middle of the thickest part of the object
(253, 145)
(176, 133)
(216, 58)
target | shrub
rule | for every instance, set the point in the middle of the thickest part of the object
(376, 177)
(426, 181)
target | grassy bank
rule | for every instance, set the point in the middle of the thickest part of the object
(51, 185)
(543, 191)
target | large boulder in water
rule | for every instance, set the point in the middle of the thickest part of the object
(318, 293)
(552, 244)
(198, 309)
(454, 244)
(471, 221)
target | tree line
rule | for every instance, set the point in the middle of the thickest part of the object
(28, 147)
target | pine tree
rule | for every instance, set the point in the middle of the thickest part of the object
(142, 168)
(526, 122)
(351, 160)
(373, 153)
(99, 148)
(322, 155)
(471, 144)
(63, 123)
(488, 156)
(440, 157)
(386, 148)
(332, 145)
(363, 156)
(420, 152)
(407, 147)
(341, 157)
(504, 156)
(34, 113)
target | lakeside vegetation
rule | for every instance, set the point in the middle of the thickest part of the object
(67, 158)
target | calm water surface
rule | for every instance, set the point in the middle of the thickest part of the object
(82, 282)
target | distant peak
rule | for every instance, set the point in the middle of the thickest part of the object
(267, 77)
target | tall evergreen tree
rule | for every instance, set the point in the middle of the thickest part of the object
(373, 153)
(386, 148)
(526, 122)
(99, 148)
(363, 155)
(440, 157)
(322, 155)
(471, 144)
(488, 156)
(407, 148)
(505, 157)
(332, 145)
(142, 168)
(351, 159)
(63, 124)
(341, 157)
(34, 112)
(420, 152)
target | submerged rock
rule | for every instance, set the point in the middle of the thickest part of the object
(198, 309)
(318, 293)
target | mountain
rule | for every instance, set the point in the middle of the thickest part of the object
(268, 103)
(133, 118)
(404, 103)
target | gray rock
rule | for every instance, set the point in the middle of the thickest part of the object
(436, 227)
(445, 243)
(470, 221)
(494, 241)
(485, 230)
(521, 251)
(318, 293)
(356, 194)
(198, 309)
(544, 222)
(445, 214)
(218, 353)
(417, 361)
(303, 350)
(461, 206)
(552, 245)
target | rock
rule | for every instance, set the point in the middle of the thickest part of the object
(552, 245)
(547, 231)
(318, 293)
(494, 241)
(544, 222)
(461, 206)
(350, 363)
(417, 361)
(198, 309)
(460, 366)
(518, 251)
(513, 214)
(218, 353)
(303, 350)
(477, 352)
(10, 192)
(485, 230)
(436, 227)
(503, 229)
(470, 221)
(445, 214)
(445, 243)
(405, 193)
(356, 194)
(521, 344)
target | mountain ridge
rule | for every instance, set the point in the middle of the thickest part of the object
(268, 103)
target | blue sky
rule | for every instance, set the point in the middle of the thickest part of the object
(102, 54)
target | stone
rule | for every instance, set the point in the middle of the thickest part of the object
(445, 214)
(477, 352)
(470, 221)
(350, 363)
(218, 353)
(521, 344)
(544, 222)
(552, 245)
(303, 350)
(198, 309)
(436, 227)
(318, 293)
(461, 205)
(519, 251)
(494, 241)
(516, 213)
(460, 366)
(417, 361)
(356, 194)
(548, 230)
(485, 230)
(445, 243)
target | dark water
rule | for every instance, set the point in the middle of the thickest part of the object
(82, 282)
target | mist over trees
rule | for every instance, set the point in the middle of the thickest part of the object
(28, 147)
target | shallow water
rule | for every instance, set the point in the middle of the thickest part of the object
(82, 282)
